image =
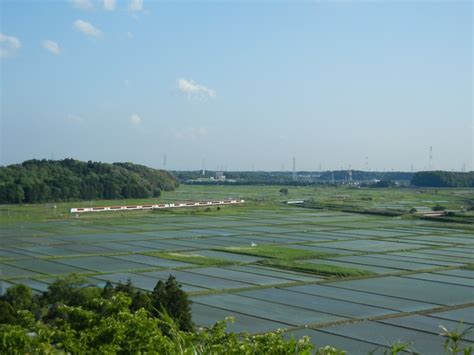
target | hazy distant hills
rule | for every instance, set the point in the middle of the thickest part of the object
(36, 181)
(351, 177)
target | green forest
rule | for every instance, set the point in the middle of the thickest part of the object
(36, 181)
(443, 179)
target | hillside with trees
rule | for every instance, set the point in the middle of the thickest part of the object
(443, 179)
(36, 181)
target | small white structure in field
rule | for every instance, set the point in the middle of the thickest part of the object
(294, 202)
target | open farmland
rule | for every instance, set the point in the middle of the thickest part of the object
(356, 281)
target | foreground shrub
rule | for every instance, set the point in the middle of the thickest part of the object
(80, 331)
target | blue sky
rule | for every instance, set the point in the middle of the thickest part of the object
(241, 84)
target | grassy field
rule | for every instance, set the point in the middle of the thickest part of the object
(193, 259)
(318, 269)
(257, 197)
(277, 252)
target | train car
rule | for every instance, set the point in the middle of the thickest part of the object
(158, 206)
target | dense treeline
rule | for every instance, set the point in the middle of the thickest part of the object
(36, 181)
(443, 179)
(360, 175)
(72, 317)
(303, 178)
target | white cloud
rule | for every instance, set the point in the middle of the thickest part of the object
(135, 119)
(130, 35)
(87, 28)
(51, 46)
(109, 5)
(136, 5)
(74, 118)
(190, 133)
(8, 45)
(82, 4)
(195, 90)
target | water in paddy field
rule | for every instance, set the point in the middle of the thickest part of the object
(423, 264)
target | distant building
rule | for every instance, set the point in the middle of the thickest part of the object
(220, 176)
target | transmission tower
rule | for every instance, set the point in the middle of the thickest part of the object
(430, 162)
(294, 168)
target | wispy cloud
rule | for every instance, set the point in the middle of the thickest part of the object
(136, 5)
(130, 35)
(109, 5)
(135, 119)
(87, 28)
(71, 118)
(83, 4)
(51, 46)
(195, 90)
(190, 133)
(8, 45)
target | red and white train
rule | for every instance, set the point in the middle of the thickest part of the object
(157, 206)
